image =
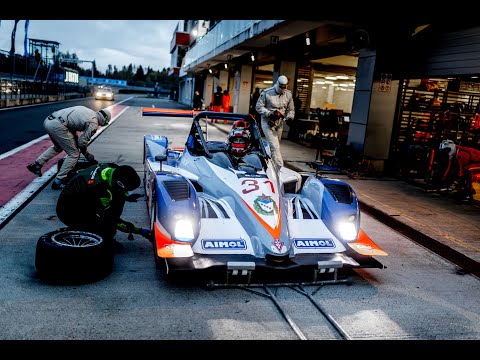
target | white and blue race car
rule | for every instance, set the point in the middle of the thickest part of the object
(247, 222)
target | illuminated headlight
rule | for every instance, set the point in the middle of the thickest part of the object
(184, 230)
(347, 229)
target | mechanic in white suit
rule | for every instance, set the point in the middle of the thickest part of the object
(62, 127)
(275, 106)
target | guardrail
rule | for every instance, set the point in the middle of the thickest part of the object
(20, 89)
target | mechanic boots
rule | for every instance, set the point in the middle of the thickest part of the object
(58, 184)
(35, 168)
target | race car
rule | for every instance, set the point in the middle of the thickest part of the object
(247, 222)
(105, 93)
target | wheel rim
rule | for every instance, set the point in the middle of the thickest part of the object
(77, 239)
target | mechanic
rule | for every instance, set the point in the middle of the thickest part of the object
(62, 127)
(239, 140)
(93, 200)
(275, 106)
(463, 156)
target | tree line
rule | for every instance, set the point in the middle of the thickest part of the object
(134, 75)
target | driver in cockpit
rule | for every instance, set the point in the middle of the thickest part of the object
(242, 150)
(239, 140)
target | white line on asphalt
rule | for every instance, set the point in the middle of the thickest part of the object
(9, 208)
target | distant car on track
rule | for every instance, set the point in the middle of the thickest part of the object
(105, 93)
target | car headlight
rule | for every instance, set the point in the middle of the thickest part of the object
(183, 230)
(347, 228)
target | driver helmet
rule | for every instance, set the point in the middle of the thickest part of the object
(104, 117)
(448, 145)
(239, 139)
(240, 124)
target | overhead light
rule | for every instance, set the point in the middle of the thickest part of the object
(307, 39)
(252, 56)
(208, 67)
(194, 32)
(226, 66)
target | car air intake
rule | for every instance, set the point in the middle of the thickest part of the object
(178, 189)
(341, 193)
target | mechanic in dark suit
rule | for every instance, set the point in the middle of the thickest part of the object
(93, 200)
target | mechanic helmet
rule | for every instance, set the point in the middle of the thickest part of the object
(126, 178)
(281, 84)
(239, 139)
(104, 117)
(448, 145)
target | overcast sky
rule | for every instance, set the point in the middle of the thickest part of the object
(114, 42)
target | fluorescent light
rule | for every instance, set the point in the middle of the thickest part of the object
(252, 57)
(307, 39)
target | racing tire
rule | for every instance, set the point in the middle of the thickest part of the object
(67, 254)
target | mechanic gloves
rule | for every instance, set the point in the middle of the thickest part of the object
(89, 157)
(147, 234)
(128, 227)
(133, 197)
(273, 117)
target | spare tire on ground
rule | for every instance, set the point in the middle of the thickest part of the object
(67, 254)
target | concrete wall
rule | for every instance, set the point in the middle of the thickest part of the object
(380, 121)
(5, 103)
(361, 100)
(242, 89)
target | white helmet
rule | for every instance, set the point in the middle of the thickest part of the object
(450, 145)
(104, 117)
(281, 84)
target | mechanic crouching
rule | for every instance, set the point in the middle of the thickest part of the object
(93, 201)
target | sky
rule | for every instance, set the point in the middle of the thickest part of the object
(114, 42)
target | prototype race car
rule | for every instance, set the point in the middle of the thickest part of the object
(247, 221)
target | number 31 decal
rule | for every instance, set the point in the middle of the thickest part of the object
(252, 185)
